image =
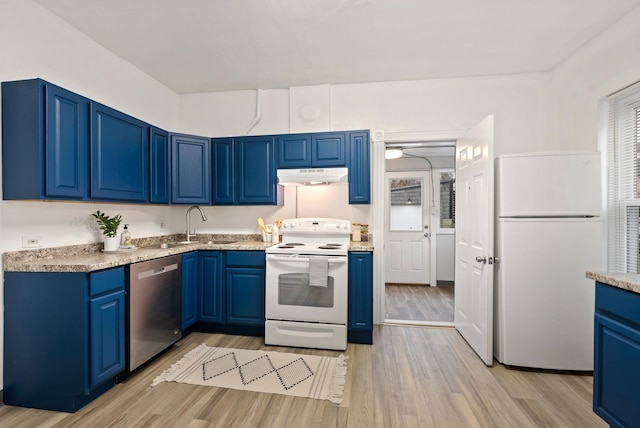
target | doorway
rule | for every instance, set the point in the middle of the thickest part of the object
(419, 234)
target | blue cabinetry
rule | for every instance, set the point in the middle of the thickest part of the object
(190, 286)
(211, 302)
(245, 282)
(313, 150)
(360, 320)
(294, 150)
(616, 373)
(245, 171)
(359, 168)
(63, 338)
(159, 167)
(119, 156)
(190, 170)
(45, 141)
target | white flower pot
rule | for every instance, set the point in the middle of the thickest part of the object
(111, 244)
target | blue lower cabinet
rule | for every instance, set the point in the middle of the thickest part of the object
(616, 373)
(190, 287)
(64, 337)
(360, 319)
(211, 301)
(245, 282)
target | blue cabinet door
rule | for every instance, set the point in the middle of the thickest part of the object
(119, 156)
(328, 149)
(190, 170)
(211, 302)
(245, 296)
(159, 167)
(190, 287)
(256, 171)
(67, 125)
(359, 168)
(224, 177)
(45, 142)
(294, 150)
(107, 337)
(360, 319)
(245, 282)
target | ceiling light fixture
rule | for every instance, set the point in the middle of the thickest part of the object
(392, 153)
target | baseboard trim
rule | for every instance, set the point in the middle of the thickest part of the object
(413, 323)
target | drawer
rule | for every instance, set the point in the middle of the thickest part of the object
(106, 280)
(620, 303)
(245, 258)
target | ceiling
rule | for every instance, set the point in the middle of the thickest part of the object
(221, 45)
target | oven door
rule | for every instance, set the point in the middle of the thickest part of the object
(289, 297)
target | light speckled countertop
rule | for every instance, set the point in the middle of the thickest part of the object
(89, 258)
(626, 281)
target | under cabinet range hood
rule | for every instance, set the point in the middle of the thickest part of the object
(312, 176)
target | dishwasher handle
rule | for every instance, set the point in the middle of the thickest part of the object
(157, 271)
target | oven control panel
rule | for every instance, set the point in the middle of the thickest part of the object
(317, 225)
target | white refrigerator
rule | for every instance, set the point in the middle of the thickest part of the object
(549, 232)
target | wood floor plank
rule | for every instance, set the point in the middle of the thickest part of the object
(409, 377)
(411, 302)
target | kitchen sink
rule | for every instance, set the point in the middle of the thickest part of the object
(165, 245)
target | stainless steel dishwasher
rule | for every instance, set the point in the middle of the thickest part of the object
(154, 308)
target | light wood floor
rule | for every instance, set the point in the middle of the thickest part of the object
(418, 302)
(410, 377)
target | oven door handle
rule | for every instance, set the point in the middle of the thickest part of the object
(304, 259)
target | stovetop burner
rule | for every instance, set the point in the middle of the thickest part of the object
(333, 245)
(329, 247)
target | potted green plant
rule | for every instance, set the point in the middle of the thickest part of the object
(109, 227)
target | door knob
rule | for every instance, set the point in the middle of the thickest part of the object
(426, 234)
(481, 259)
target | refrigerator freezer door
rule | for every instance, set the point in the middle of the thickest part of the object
(548, 184)
(543, 302)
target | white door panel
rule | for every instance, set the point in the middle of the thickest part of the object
(474, 239)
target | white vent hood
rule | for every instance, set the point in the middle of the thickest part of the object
(312, 176)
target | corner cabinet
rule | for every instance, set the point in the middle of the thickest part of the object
(616, 373)
(159, 167)
(360, 319)
(119, 156)
(245, 171)
(45, 142)
(190, 169)
(64, 337)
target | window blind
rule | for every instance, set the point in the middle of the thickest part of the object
(623, 195)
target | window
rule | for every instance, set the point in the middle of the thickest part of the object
(447, 199)
(624, 178)
(406, 204)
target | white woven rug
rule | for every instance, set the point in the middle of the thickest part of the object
(272, 372)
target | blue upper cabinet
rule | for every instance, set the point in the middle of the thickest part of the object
(256, 171)
(245, 171)
(159, 184)
(224, 182)
(359, 168)
(315, 150)
(45, 141)
(190, 170)
(294, 151)
(119, 156)
(328, 149)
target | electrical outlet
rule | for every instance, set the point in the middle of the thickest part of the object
(161, 225)
(31, 241)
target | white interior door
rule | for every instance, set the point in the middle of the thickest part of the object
(473, 295)
(407, 240)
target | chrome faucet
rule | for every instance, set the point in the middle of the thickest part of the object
(204, 218)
